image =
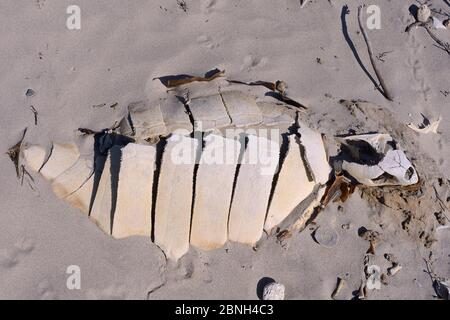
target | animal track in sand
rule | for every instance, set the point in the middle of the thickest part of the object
(252, 61)
(40, 3)
(208, 5)
(207, 41)
(420, 82)
(46, 291)
(10, 257)
(112, 292)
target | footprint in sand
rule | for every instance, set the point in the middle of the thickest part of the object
(207, 41)
(112, 292)
(45, 290)
(9, 257)
(207, 6)
(252, 61)
(420, 83)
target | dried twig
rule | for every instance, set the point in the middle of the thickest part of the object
(427, 26)
(382, 55)
(171, 82)
(35, 113)
(443, 45)
(14, 153)
(386, 92)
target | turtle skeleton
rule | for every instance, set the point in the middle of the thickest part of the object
(188, 188)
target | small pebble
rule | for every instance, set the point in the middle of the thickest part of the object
(30, 93)
(346, 226)
(326, 237)
(273, 291)
(394, 269)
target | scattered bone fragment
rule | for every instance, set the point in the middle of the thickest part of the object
(427, 127)
(423, 13)
(373, 237)
(438, 24)
(390, 257)
(376, 161)
(273, 291)
(303, 3)
(174, 198)
(214, 185)
(340, 189)
(362, 291)
(346, 226)
(384, 279)
(286, 197)
(339, 286)
(134, 195)
(394, 269)
(254, 182)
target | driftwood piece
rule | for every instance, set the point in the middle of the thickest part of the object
(383, 86)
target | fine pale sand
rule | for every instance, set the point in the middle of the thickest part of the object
(317, 50)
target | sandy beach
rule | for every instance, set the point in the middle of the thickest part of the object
(87, 77)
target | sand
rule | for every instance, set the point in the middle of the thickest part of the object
(122, 46)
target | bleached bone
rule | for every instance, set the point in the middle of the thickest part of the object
(34, 156)
(102, 205)
(134, 194)
(254, 182)
(72, 179)
(174, 198)
(241, 108)
(61, 158)
(393, 167)
(315, 154)
(292, 186)
(209, 113)
(182, 191)
(146, 119)
(214, 186)
(275, 114)
(174, 114)
(81, 198)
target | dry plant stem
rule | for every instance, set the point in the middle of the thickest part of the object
(35, 113)
(14, 153)
(386, 92)
(444, 46)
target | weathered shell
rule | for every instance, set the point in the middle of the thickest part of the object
(175, 191)
(423, 13)
(274, 291)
